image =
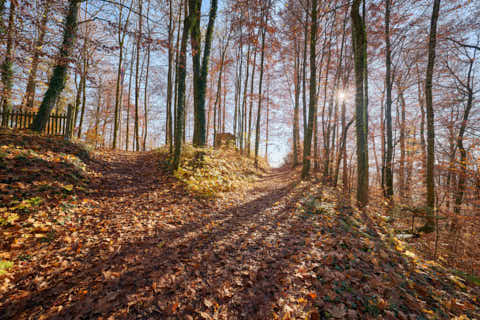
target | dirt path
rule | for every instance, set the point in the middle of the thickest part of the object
(152, 252)
(139, 247)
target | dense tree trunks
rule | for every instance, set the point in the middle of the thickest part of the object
(59, 75)
(430, 183)
(122, 32)
(201, 80)
(31, 83)
(326, 121)
(307, 144)
(7, 64)
(359, 44)
(388, 171)
(180, 109)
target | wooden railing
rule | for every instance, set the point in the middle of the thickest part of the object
(59, 124)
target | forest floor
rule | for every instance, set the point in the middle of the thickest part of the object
(122, 239)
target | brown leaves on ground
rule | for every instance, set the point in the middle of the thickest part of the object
(136, 245)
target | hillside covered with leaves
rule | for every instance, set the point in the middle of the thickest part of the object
(115, 234)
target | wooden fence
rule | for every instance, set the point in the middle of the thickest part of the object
(59, 124)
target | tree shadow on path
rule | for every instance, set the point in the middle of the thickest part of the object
(168, 274)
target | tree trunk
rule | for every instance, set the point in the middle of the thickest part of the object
(296, 129)
(250, 109)
(168, 123)
(84, 91)
(461, 148)
(57, 81)
(307, 145)
(145, 100)
(122, 31)
(244, 103)
(202, 85)
(430, 183)
(137, 77)
(6, 67)
(30, 90)
(403, 138)
(260, 97)
(182, 73)
(388, 107)
(359, 44)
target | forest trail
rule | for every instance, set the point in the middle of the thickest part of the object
(149, 250)
(137, 246)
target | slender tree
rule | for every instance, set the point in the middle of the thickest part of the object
(260, 97)
(307, 142)
(430, 183)
(6, 67)
(388, 106)
(182, 74)
(31, 83)
(121, 34)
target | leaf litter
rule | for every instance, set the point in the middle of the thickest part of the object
(135, 243)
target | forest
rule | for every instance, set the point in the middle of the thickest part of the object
(239, 159)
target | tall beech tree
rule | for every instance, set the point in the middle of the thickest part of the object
(359, 45)
(182, 74)
(200, 67)
(388, 106)
(264, 26)
(429, 178)
(307, 144)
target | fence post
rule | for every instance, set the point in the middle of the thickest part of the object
(69, 127)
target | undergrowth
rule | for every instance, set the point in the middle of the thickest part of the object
(208, 172)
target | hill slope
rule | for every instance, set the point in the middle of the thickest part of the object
(136, 243)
